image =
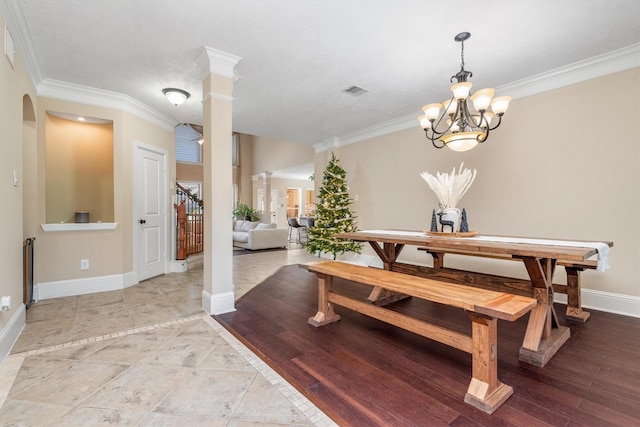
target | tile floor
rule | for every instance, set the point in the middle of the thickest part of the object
(147, 356)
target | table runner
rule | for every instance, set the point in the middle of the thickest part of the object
(602, 248)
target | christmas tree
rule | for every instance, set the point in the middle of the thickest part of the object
(333, 214)
(434, 222)
(464, 225)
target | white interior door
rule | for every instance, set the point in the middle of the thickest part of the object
(273, 207)
(150, 212)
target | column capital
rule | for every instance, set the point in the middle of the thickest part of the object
(212, 61)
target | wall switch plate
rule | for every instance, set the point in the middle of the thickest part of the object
(84, 264)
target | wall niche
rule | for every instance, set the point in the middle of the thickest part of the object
(78, 168)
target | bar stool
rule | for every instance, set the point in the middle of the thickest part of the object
(294, 225)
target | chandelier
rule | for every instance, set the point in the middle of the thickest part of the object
(460, 127)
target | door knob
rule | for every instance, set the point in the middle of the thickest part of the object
(142, 221)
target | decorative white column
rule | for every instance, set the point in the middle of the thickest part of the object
(217, 87)
(266, 215)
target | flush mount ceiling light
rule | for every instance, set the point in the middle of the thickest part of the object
(465, 127)
(176, 96)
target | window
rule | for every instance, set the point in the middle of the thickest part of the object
(188, 149)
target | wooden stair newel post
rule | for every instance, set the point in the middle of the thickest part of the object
(485, 391)
(182, 230)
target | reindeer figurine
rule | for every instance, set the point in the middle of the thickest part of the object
(444, 223)
(449, 217)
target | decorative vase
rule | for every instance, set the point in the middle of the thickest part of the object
(449, 220)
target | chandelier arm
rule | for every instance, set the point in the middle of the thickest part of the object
(433, 141)
(486, 135)
(466, 115)
(497, 124)
(435, 134)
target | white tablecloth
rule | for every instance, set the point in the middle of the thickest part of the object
(602, 248)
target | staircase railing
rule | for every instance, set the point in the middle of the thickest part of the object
(190, 226)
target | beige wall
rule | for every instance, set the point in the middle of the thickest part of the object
(271, 154)
(564, 164)
(110, 252)
(280, 186)
(78, 169)
(244, 170)
(189, 172)
(14, 84)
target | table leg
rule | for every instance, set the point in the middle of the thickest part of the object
(544, 336)
(574, 299)
(388, 254)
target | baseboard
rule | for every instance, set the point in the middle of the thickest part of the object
(626, 305)
(179, 266)
(88, 285)
(9, 334)
(218, 303)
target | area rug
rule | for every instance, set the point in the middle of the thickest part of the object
(242, 251)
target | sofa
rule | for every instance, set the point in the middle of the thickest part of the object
(257, 235)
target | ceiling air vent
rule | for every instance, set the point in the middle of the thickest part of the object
(355, 91)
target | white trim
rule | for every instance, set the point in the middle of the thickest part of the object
(87, 285)
(598, 66)
(218, 303)
(602, 65)
(626, 305)
(12, 12)
(9, 49)
(129, 279)
(213, 61)
(217, 96)
(11, 331)
(71, 92)
(73, 226)
(168, 208)
(178, 266)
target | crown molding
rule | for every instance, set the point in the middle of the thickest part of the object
(102, 98)
(13, 15)
(213, 61)
(598, 66)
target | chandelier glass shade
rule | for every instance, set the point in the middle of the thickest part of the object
(466, 119)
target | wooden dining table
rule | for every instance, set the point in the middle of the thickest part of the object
(544, 335)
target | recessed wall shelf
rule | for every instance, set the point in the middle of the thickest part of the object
(72, 226)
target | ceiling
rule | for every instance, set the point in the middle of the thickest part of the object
(299, 55)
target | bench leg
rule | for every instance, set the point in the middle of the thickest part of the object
(325, 312)
(485, 391)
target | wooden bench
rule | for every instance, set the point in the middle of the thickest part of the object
(483, 306)
(573, 269)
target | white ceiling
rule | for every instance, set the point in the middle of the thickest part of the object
(299, 55)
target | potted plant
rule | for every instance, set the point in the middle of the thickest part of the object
(245, 212)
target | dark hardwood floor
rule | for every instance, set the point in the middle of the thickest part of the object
(363, 372)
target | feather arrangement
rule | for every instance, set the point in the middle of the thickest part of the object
(450, 188)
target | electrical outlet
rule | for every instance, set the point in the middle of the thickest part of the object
(84, 264)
